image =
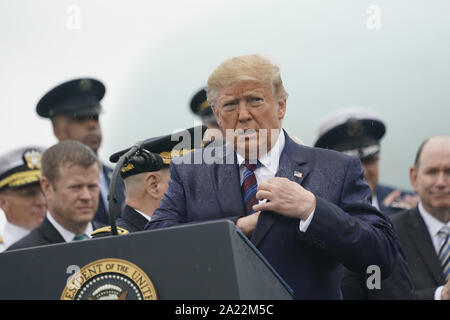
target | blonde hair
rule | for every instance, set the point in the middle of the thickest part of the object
(254, 67)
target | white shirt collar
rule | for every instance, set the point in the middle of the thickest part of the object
(433, 224)
(13, 233)
(375, 202)
(271, 159)
(66, 234)
(143, 214)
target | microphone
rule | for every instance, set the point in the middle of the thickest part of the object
(144, 159)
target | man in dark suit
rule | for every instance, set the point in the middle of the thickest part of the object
(69, 182)
(146, 176)
(306, 209)
(74, 109)
(423, 231)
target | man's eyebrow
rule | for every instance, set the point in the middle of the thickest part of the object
(228, 98)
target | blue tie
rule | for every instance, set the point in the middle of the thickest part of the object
(444, 251)
(249, 187)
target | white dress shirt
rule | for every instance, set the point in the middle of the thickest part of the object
(269, 167)
(11, 234)
(66, 234)
(433, 226)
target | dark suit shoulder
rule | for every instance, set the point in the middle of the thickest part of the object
(34, 239)
(400, 218)
(330, 159)
(132, 220)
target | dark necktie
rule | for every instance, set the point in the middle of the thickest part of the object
(249, 187)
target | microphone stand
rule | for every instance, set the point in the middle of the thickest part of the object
(112, 199)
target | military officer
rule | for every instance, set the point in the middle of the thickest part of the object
(357, 132)
(21, 197)
(146, 176)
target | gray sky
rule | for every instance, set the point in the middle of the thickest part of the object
(391, 56)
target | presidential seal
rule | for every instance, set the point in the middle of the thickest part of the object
(109, 279)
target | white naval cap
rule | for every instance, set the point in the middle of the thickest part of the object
(20, 167)
(355, 131)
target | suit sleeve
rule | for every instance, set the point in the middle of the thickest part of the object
(172, 208)
(354, 232)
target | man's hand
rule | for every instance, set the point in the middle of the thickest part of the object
(445, 293)
(395, 199)
(248, 224)
(285, 197)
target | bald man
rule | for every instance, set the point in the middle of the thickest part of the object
(423, 231)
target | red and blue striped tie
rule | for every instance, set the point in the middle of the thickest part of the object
(249, 187)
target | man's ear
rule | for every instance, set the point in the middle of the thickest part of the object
(47, 187)
(58, 123)
(281, 108)
(3, 202)
(413, 177)
(151, 185)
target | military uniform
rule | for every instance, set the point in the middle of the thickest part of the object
(200, 106)
(153, 155)
(132, 220)
(19, 168)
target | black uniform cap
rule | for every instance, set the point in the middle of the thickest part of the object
(354, 131)
(74, 98)
(201, 107)
(163, 148)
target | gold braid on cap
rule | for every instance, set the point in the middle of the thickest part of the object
(20, 178)
(127, 168)
(203, 105)
(107, 229)
(167, 156)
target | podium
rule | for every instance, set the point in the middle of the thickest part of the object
(202, 261)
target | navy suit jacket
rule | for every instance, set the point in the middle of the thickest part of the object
(345, 228)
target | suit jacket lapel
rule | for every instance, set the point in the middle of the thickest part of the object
(294, 165)
(421, 238)
(49, 232)
(226, 180)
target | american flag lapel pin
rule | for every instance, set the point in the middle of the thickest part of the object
(298, 174)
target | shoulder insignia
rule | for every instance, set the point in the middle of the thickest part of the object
(106, 231)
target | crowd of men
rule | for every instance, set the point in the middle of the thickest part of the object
(317, 214)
